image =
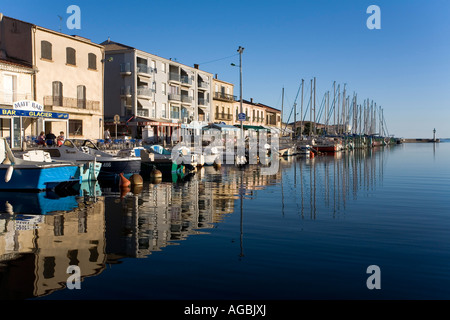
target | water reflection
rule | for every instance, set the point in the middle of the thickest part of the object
(42, 234)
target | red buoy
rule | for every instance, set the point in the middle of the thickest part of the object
(124, 182)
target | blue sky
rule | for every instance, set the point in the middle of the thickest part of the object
(404, 67)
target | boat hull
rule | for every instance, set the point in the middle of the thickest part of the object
(112, 168)
(38, 178)
(167, 168)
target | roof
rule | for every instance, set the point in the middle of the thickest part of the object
(112, 46)
(16, 64)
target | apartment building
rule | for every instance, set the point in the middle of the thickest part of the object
(67, 77)
(258, 114)
(223, 101)
(152, 95)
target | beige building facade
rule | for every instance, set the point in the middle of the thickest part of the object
(65, 80)
(223, 102)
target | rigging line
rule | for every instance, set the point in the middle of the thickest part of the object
(219, 59)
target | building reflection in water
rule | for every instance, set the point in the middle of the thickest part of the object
(41, 235)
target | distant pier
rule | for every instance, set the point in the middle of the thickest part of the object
(419, 140)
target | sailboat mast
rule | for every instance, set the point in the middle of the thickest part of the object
(301, 111)
(314, 105)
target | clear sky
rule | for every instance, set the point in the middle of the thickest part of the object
(404, 67)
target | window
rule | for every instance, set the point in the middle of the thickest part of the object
(46, 50)
(81, 97)
(92, 61)
(163, 67)
(75, 127)
(163, 88)
(163, 110)
(57, 93)
(10, 88)
(174, 112)
(70, 56)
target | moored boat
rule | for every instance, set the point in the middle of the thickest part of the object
(28, 175)
(112, 165)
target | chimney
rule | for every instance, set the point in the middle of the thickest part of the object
(196, 66)
(251, 100)
(216, 75)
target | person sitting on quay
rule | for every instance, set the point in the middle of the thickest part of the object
(50, 139)
(60, 140)
(41, 139)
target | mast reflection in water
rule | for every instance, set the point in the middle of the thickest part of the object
(307, 232)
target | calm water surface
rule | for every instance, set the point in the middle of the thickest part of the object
(308, 232)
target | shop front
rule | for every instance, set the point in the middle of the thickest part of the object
(26, 120)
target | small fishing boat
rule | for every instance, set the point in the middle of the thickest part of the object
(28, 175)
(68, 152)
(113, 165)
(327, 145)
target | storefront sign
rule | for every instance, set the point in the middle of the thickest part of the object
(33, 114)
(28, 105)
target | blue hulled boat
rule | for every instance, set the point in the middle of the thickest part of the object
(27, 175)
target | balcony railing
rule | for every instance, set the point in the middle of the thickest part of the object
(174, 77)
(202, 84)
(125, 91)
(142, 112)
(203, 102)
(125, 68)
(224, 96)
(143, 68)
(71, 103)
(224, 116)
(174, 96)
(186, 80)
(143, 91)
(186, 98)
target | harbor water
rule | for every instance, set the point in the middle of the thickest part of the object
(310, 231)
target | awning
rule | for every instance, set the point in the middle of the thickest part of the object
(222, 127)
(144, 79)
(145, 103)
(246, 127)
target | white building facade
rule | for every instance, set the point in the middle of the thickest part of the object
(152, 95)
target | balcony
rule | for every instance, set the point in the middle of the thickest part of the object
(174, 77)
(186, 99)
(125, 69)
(142, 113)
(202, 85)
(143, 70)
(144, 91)
(224, 116)
(224, 97)
(186, 80)
(125, 91)
(74, 103)
(174, 97)
(203, 102)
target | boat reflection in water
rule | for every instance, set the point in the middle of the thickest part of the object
(42, 234)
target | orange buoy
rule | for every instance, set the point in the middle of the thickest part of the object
(124, 182)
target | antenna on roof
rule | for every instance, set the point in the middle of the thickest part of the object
(60, 23)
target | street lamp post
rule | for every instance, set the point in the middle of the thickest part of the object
(240, 50)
